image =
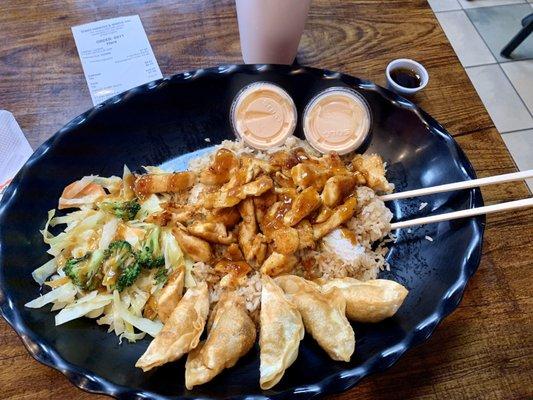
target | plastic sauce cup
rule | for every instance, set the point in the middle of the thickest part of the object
(337, 119)
(411, 65)
(263, 115)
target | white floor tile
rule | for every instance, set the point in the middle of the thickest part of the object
(464, 39)
(520, 144)
(520, 73)
(506, 109)
(444, 5)
(488, 3)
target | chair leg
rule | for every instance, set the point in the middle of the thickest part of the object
(519, 37)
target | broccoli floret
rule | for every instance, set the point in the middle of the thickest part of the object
(119, 250)
(128, 276)
(126, 210)
(119, 260)
(116, 267)
(83, 270)
(151, 256)
(160, 276)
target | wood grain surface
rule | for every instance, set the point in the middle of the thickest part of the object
(484, 350)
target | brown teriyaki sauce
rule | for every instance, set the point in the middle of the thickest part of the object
(406, 77)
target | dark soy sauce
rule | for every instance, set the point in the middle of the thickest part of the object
(406, 77)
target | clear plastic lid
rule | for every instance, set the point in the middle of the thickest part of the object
(263, 115)
(337, 119)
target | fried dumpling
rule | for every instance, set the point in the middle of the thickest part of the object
(232, 335)
(181, 333)
(323, 315)
(371, 301)
(281, 331)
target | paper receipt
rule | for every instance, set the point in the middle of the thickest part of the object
(14, 149)
(115, 55)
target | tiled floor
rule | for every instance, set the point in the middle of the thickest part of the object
(478, 30)
(497, 25)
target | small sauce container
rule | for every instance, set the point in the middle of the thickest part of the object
(337, 119)
(263, 115)
(406, 76)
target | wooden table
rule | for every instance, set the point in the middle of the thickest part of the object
(484, 349)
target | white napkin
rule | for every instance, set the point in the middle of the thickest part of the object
(14, 149)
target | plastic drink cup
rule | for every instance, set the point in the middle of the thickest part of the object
(270, 30)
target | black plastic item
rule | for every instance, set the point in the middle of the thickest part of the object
(159, 123)
(527, 28)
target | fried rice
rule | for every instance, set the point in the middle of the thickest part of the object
(370, 226)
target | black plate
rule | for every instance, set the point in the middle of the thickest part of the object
(161, 121)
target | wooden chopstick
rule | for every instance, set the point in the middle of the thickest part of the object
(515, 176)
(510, 205)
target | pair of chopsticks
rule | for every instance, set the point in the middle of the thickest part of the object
(471, 212)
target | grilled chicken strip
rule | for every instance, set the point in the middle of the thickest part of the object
(233, 253)
(308, 174)
(257, 165)
(181, 213)
(219, 172)
(304, 204)
(259, 248)
(252, 244)
(161, 218)
(340, 215)
(324, 213)
(234, 272)
(333, 164)
(163, 183)
(197, 249)
(249, 170)
(277, 264)
(337, 188)
(162, 302)
(232, 197)
(373, 169)
(228, 216)
(255, 188)
(263, 203)
(221, 199)
(214, 232)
